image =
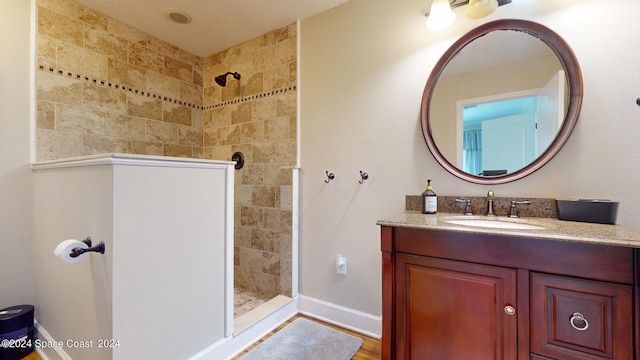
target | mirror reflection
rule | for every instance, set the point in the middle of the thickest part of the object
(499, 103)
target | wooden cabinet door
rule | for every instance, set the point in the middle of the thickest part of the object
(575, 319)
(454, 310)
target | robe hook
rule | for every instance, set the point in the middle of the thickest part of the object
(330, 176)
(364, 177)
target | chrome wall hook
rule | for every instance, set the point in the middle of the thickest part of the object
(330, 176)
(364, 176)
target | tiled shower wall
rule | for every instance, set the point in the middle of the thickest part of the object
(104, 87)
(256, 115)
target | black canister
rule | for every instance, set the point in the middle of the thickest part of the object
(16, 332)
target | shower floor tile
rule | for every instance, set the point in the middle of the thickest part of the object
(245, 301)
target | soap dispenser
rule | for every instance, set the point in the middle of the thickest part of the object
(429, 200)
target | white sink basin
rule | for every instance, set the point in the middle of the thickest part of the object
(494, 223)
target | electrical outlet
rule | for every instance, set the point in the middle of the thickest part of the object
(341, 265)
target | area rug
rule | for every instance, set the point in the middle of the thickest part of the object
(306, 340)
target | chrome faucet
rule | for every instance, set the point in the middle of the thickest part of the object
(513, 213)
(490, 198)
(467, 208)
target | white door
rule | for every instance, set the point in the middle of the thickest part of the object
(508, 143)
(550, 111)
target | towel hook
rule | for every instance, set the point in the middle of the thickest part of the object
(330, 176)
(364, 177)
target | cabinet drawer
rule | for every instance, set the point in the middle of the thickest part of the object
(580, 319)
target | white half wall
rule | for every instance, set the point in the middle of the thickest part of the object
(16, 260)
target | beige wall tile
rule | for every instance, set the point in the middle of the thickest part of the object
(46, 115)
(254, 84)
(277, 174)
(58, 144)
(253, 132)
(163, 132)
(264, 152)
(76, 11)
(47, 52)
(264, 108)
(241, 113)
(191, 94)
(286, 151)
(145, 147)
(127, 32)
(218, 152)
(286, 51)
(263, 239)
(175, 113)
(60, 27)
(125, 74)
(96, 144)
(229, 135)
(211, 138)
(177, 150)
(251, 216)
(242, 195)
(125, 127)
(276, 77)
(104, 42)
(286, 203)
(266, 196)
(144, 106)
(144, 57)
(276, 128)
(197, 119)
(50, 87)
(190, 136)
(251, 174)
(163, 85)
(178, 69)
(82, 61)
(79, 119)
(103, 98)
(277, 219)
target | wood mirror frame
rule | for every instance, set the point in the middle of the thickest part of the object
(574, 80)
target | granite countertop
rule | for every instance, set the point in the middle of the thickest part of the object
(553, 229)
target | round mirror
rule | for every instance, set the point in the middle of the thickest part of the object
(501, 101)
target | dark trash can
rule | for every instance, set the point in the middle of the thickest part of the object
(16, 332)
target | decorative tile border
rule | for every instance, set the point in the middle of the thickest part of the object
(112, 85)
(252, 97)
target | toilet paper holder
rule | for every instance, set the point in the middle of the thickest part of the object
(75, 252)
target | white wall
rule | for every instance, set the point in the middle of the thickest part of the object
(363, 70)
(16, 280)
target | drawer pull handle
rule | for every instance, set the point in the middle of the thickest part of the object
(509, 310)
(580, 319)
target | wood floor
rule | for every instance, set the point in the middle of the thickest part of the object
(370, 350)
(33, 356)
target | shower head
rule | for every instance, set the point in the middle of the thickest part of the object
(222, 79)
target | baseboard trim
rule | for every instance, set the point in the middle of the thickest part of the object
(233, 345)
(49, 353)
(354, 320)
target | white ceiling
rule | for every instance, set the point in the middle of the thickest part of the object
(217, 24)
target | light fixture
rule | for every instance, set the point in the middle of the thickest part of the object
(441, 14)
(480, 8)
(178, 16)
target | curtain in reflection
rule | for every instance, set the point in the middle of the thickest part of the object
(472, 151)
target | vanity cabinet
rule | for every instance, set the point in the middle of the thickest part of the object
(463, 295)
